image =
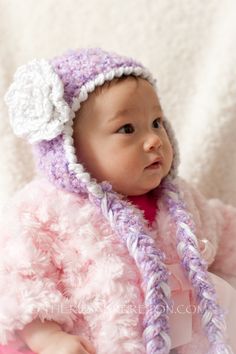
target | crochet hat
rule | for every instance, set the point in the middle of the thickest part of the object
(42, 103)
(43, 100)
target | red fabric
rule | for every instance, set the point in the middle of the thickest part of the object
(147, 203)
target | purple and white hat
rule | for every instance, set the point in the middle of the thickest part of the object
(44, 97)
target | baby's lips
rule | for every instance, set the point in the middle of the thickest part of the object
(158, 160)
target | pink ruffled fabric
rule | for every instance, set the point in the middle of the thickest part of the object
(215, 223)
(7, 349)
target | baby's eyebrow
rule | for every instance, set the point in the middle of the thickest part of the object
(126, 111)
(118, 114)
(157, 106)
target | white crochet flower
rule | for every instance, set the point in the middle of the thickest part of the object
(37, 108)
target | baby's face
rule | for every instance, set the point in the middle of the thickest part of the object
(119, 137)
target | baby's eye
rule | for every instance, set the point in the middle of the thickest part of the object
(126, 129)
(157, 123)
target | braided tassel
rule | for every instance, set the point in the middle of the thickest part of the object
(212, 315)
(129, 226)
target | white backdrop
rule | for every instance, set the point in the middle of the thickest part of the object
(190, 46)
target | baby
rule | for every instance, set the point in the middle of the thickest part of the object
(107, 250)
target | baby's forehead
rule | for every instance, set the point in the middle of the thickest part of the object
(113, 82)
(127, 85)
(122, 95)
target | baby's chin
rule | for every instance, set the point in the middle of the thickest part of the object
(136, 191)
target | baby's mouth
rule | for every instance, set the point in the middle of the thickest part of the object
(154, 165)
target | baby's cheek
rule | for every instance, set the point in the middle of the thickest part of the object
(171, 151)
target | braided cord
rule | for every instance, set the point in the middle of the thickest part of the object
(212, 315)
(129, 226)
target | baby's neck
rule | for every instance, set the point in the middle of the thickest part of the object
(147, 203)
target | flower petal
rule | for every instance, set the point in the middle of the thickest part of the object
(36, 104)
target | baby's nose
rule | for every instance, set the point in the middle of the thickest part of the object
(152, 142)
